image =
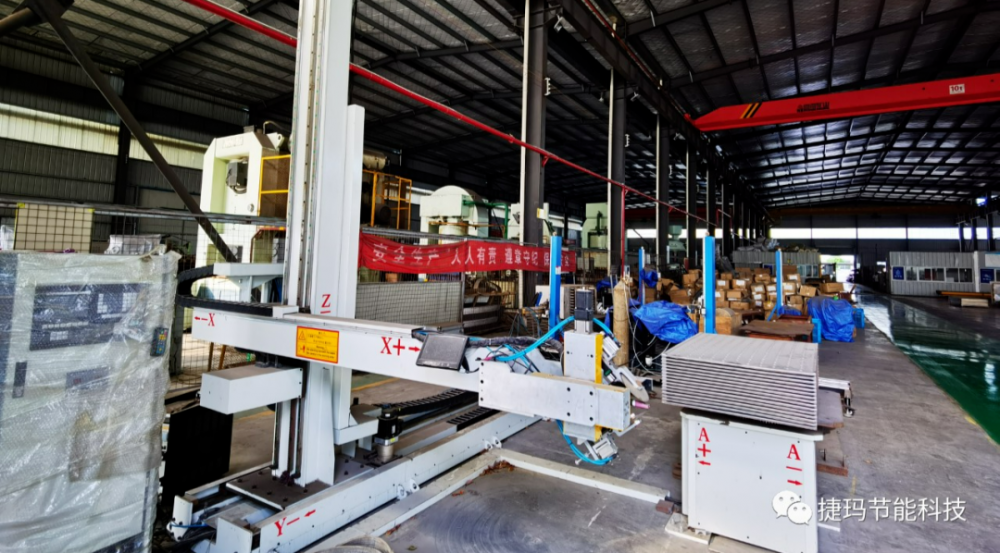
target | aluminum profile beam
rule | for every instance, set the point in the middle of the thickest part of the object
(765, 380)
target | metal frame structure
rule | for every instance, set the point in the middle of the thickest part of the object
(316, 344)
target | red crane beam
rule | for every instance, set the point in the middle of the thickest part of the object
(934, 94)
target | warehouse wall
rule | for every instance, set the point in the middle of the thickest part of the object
(55, 144)
(870, 251)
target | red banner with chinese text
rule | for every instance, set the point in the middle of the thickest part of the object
(381, 254)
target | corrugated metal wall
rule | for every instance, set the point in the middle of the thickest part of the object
(943, 260)
(53, 147)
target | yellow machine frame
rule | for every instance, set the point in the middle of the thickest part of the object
(393, 189)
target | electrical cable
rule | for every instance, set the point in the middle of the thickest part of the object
(545, 338)
(578, 453)
(600, 324)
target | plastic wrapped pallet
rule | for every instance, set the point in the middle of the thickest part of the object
(83, 372)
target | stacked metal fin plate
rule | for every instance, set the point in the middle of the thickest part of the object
(765, 380)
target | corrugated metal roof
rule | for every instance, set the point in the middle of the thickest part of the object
(716, 54)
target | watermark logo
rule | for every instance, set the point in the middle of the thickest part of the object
(789, 504)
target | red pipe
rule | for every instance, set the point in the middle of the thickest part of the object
(285, 38)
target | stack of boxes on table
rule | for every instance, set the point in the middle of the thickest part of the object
(667, 289)
(750, 289)
(746, 289)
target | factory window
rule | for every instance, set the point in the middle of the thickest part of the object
(929, 274)
(958, 275)
(881, 233)
(933, 233)
(791, 233)
(841, 233)
(911, 273)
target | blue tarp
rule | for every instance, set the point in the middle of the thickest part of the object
(835, 316)
(649, 278)
(632, 304)
(603, 283)
(785, 310)
(667, 321)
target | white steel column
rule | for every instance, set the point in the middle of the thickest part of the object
(322, 246)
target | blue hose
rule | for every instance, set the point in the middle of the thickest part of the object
(577, 451)
(540, 341)
(606, 330)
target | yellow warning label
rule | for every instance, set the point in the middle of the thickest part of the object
(317, 344)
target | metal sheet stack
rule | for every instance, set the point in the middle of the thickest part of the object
(766, 380)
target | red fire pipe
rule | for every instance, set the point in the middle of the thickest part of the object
(285, 38)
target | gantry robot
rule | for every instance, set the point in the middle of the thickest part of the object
(334, 461)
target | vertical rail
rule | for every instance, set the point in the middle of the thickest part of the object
(555, 280)
(708, 255)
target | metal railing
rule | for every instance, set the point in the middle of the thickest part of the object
(53, 225)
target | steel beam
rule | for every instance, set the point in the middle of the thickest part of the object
(991, 245)
(533, 132)
(616, 171)
(725, 198)
(453, 51)
(914, 24)
(690, 203)
(660, 20)
(51, 12)
(663, 168)
(917, 96)
(615, 53)
(711, 200)
(20, 18)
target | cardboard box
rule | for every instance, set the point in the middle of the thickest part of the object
(793, 278)
(691, 277)
(726, 276)
(759, 296)
(772, 289)
(807, 291)
(768, 306)
(789, 269)
(680, 296)
(722, 284)
(796, 301)
(744, 272)
(762, 271)
(739, 305)
(758, 304)
(758, 287)
(789, 288)
(720, 295)
(831, 288)
(740, 284)
(726, 321)
(652, 295)
(721, 303)
(736, 295)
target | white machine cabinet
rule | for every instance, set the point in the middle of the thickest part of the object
(83, 343)
(737, 475)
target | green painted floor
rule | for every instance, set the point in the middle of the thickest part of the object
(962, 362)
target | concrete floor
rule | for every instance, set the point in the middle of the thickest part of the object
(908, 440)
(973, 319)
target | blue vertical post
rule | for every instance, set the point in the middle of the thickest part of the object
(555, 269)
(642, 283)
(778, 274)
(709, 283)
